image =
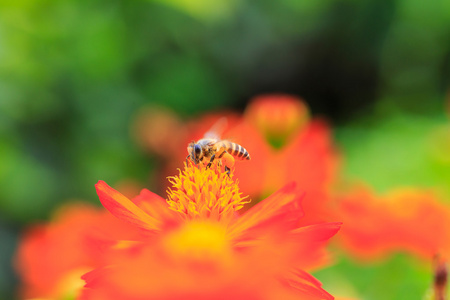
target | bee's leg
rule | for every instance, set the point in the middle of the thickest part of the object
(187, 162)
(227, 170)
(213, 157)
(211, 160)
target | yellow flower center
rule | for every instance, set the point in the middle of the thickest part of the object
(205, 193)
(199, 241)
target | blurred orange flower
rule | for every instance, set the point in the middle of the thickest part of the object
(198, 247)
(51, 258)
(409, 220)
(286, 145)
(158, 130)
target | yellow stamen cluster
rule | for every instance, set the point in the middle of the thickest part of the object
(205, 193)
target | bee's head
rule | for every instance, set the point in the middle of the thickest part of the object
(195, 152)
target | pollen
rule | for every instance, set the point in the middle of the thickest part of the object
(205, 193)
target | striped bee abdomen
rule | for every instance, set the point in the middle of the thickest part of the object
(236, 150)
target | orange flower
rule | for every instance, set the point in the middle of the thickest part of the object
(51, 258)
(197, 246)
(278, 117)
(284, 142)
(408, 220)
(285, 145)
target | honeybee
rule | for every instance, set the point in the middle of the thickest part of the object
(211, 147)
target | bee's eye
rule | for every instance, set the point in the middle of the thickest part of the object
(197, 149)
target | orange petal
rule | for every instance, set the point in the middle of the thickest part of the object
(308, 243)
(121, 207)
(253, 174)
(318, 232)
(307, 284)
(281, 209)
(312, 161)
(155, 206)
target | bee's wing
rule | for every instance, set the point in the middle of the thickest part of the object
(215, 132)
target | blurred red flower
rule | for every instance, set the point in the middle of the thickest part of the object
(197, 247)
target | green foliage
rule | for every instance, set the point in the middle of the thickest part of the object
(399, 277)
(398, 150)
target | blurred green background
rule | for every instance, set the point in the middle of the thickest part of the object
(74, 74)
